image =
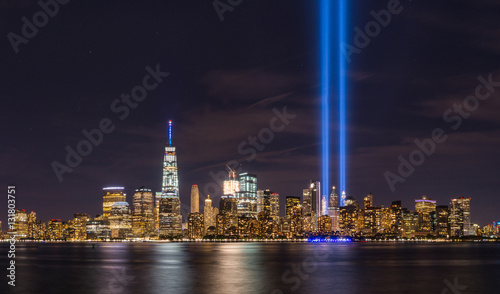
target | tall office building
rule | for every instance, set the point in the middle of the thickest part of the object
(169, 215)
(316, 199)
(120, 220)
(228, 212)
(293, 215)
(196, 228)
(20, 228)
(79, 230)
(268, 202)
(410, 223)
(231, 185)
(460, 220)
(442, 225)
(425, 207)
(368, 201)
(247, 196)
(54, 229)
(110, 196)
(307, 202)
(309, 216)
(342, 199)
(333, 209)
(143, 218)
(32, 225)
(157, 211)
(209, 214)
(397, 227)
(195, 199)
(291, 202)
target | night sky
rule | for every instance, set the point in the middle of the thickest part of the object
(225, 78)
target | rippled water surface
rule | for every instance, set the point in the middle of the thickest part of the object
(254, 268)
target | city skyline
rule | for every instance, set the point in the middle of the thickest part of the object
(303, 146)
(243, 204)
(319, 204)
(401, 82)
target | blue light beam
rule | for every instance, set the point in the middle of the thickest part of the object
(342, 69)
(326, 60)
(325, 25)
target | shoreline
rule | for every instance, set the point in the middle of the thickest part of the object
(249, 241)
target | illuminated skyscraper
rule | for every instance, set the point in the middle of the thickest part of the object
(268, 202)
(228, 210)
(110, 196)
(120, 220)
(209, 214)
(368, 201)
(231, 185)
(333, 209)
(293, 216)
(442, 227)
(54, 229)
(247, 196)
(324, 224)
(195, 199)
(170, 218)
(460, 221)
(143, 218)
(79, 232)
(291, 202)
(308, 214)
(342, 199)
(32, 229)
(316, 199)
(196, 228)
(396, 218)
(425, 207)
(157, 211)
(410, 223)
(20, 224)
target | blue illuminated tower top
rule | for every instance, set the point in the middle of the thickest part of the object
(170, 183)
(170, 133)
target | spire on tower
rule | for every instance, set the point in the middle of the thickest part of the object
(170, 133)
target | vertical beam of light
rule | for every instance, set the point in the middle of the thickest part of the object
(325, 26)
(342, 11)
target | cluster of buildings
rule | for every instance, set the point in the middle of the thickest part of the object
(246, 212)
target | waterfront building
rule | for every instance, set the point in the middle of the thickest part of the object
(169, 212)
(143, 217)
(110, 196)
(247, 195)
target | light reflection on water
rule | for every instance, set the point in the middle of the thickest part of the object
(252, 268)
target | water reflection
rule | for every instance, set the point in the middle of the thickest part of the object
(252, 268)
